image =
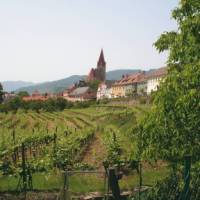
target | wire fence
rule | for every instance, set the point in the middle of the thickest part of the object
(109, 184)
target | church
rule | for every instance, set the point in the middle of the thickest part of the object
(98, 73)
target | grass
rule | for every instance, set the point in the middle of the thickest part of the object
(149, 178)
(41, 181)
(83, 182)
(78, 183)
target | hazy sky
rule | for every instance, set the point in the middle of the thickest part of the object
(44, 40)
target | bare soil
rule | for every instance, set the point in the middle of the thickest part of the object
(95, 153)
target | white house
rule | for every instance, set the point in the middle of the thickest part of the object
(104, 91)
(154, 78)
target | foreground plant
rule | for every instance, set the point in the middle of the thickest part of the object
(172, 128)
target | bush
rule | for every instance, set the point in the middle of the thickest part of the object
(84, 104)
(50, 105)
(142, 100)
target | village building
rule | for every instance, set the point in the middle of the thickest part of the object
(67, 92)
(154, 78)
(129, 85)
(7, 96)
(36, 96)
(104, 90)
(142, 86)
(81, 94)
(98, 73)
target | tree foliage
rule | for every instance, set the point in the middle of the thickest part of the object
(94, 85)
(50, 105)
(1, 93)
(23, 94)
(172, 128)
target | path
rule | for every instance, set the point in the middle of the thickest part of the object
(95, 153)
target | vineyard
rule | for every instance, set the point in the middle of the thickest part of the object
(74, 139)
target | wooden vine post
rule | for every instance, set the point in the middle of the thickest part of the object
(56, 129)
(54, 142)
(47, 128)
(66, 186)
(13, 135)
(140, 174)
(114, 185)
(24, 175)
(14, 142)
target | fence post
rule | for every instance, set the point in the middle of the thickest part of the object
(54, 142)
(186, 189)
(105, 175)
(114, 185)
(65, 186)
(24, 177)
(140, 171)
(13, 135)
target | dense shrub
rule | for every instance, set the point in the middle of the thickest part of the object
(84, 104)
(50, 105)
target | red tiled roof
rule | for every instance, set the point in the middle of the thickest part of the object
(35, 98)
(157, 73)
(130, 79)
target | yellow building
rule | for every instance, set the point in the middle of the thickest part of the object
(117, 90)
(127, 85)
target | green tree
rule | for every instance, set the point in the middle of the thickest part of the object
(14, 104)
(1, 93)
(172, 128)
(94, 84)
(50, 105)
(23, 94)
(61, 104)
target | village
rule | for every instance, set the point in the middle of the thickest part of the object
(141, 83)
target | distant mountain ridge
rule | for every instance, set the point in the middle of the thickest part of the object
(10, 86)
(53, 86)
(60, 85)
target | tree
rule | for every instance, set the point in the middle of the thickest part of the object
(61, 104)
(14, 104)
(23, 94)
(172, 128)
(94, 85)
(1, 93)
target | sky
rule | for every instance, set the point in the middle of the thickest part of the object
(45, 40)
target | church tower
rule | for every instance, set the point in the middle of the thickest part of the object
(99, 73)
(101, 67)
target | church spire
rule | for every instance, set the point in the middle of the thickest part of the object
(101, 61)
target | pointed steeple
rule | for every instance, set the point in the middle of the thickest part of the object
(101, 61)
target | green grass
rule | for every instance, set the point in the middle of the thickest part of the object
(8, 183)
(83, 182)
(149, 178)
(41, 181)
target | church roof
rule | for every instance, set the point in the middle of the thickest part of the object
(92, 72)
(101, 60)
